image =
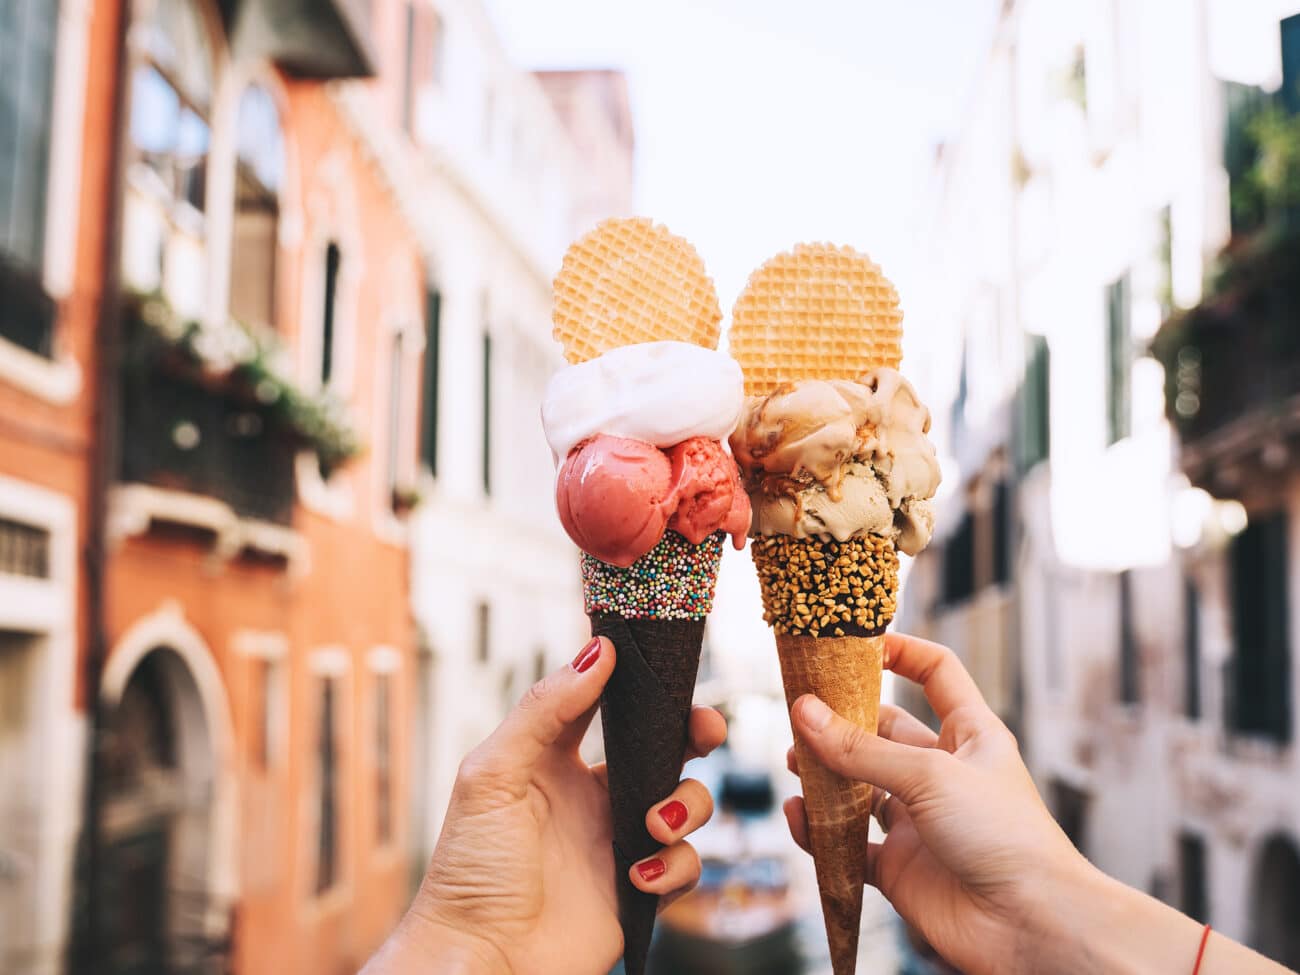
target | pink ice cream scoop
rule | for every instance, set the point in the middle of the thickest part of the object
(706, 484)
(615, 497)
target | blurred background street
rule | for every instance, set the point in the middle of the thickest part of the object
(277, 540)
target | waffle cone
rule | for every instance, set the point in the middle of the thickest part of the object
(845, 672)
(631, 281)
(817, 312)
(645, 711)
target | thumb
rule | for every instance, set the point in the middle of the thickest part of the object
(907, 771)
(560, 705)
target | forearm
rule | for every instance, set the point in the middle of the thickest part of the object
(420, 947)
(1095, 924)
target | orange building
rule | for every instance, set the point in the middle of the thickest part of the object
(187, 216)
(255, 689)
(55, 185)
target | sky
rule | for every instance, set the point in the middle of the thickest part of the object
(762, 123)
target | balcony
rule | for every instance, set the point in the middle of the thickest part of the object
(319, 39)
(27, 313)
(1232, 367)
(182, 436)
(207, 411)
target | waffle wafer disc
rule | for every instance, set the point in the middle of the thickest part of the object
(817, 312)
(631, 281)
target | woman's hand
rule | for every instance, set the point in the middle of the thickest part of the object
(968, 841)
(522, 879)
(972, 859)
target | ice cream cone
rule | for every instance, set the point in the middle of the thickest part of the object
(833, 451)
(844, 672)
(648, 493)
(645, 710)
(646, 706)
(829, 603)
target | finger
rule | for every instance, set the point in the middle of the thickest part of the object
(688, 808)
(903, 727)
(796, 818)
(557, 709)
(887, 809)
(874, 851)
(674, 868)
(843, 747)
(706, 731)
(945, 681)
(792, 760)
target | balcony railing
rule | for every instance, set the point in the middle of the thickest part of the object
(1232, 363)
(27, 313)
(318, 39)
(180, 435)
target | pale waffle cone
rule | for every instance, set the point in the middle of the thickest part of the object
(845, 672)
(817, 312)
(631, 281)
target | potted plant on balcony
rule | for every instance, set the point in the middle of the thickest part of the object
(406, 498)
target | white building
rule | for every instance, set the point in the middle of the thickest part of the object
(1085, 583)
(499, 170)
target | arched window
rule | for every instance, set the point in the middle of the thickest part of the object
(259, 177)
(171, 98)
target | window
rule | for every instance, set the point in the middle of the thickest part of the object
(1291, 63)
(1001, 533)
(429, 399)
(1036, 404)
(483, 631)
(1259, 698)
(408, 68)
(259, 177)
(27, 39)
(24, 549)
(1166, 259)
(418, 63)
(1129, 664)
(171, 95)
(259, 739)
(383, 759)
(420, 792)
(1191, 649)
(959, 562)
(396, 427)
(1119, 355)
(1192, 899)
(327, 856)
(333, 258)
(487, 413)
(28, 29)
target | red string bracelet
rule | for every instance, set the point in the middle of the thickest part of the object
(1205, 938)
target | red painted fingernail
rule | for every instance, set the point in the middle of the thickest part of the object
(651, 869)
(674, 814)
(590, 654)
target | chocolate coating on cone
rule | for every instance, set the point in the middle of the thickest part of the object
(645, 710)
(845, 672)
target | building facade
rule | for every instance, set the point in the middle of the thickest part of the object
(210, 356)
(498, 170)
(1094, 582)
(54, 192)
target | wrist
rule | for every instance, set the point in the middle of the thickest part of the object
(427, 944)
(1087, 922)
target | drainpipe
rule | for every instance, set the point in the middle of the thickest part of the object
(103, 465)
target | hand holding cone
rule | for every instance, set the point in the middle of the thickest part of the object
(819, 330)
(636, 424)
